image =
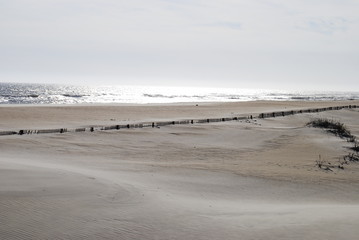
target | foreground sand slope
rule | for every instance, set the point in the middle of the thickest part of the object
(239, 180)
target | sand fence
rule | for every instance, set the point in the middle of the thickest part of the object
(176, 122)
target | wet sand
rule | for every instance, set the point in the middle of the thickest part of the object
(249, 179)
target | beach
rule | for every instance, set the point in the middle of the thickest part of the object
(242, 179)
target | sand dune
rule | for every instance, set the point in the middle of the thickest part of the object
(234, 180)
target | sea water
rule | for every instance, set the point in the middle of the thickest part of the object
(19, 93)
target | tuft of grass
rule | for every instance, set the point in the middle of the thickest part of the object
(332, 126)
(328, 166)
(352, 139)
(355, 148)
(341, 131)
(351, 157)
(319, 162)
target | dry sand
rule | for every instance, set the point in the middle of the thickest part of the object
(49, 116)
(234, 180)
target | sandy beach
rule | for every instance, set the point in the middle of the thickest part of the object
(245, 179)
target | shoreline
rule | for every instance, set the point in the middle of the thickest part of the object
(177, 103)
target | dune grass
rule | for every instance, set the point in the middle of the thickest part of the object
(332, 126)
(340, 130)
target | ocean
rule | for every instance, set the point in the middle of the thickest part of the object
(20, 93)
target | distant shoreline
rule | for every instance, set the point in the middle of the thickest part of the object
(11, 93)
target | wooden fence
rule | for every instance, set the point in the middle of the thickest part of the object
(176, 122)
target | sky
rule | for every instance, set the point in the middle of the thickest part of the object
(268, 44)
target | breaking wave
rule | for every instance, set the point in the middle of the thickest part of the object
(17, 93)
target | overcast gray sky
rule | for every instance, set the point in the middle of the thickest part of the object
(280, 44)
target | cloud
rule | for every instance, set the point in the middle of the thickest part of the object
(230, 41)
(325, 26)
